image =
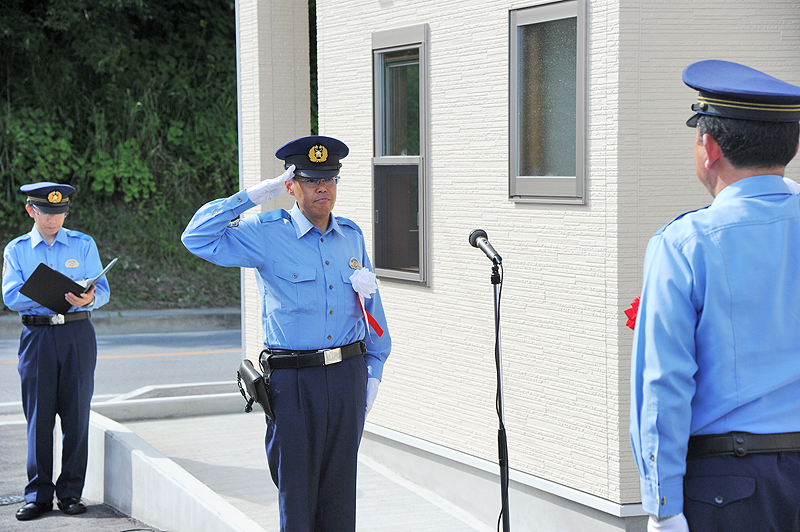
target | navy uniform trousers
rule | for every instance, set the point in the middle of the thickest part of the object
(312, 446)
(754, 493)
(56, 367)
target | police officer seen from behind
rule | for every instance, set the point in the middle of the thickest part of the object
(715, 409)
(57, 353)
(324, 327)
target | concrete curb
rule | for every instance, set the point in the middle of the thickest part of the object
(130, 475)
(171, 407)
(156, 408)
(113, 322)
(173, 401)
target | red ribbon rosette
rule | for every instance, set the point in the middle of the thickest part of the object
(364, 284)
(632, 312)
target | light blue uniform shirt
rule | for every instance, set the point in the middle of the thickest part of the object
(717, 339)
(72, 253)
(303, 276)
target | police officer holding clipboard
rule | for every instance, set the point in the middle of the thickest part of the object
(58, 351)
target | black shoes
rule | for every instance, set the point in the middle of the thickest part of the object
(32, 510)
(71, 506)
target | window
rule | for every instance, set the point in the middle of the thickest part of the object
(398, 165)
(547, 86)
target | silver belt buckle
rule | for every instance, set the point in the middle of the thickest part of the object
(333, 356)
(57, 319)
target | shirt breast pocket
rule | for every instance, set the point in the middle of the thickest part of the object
(297, 287)
(350, 297)
(74, 270)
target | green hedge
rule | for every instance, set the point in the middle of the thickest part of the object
(133, 102)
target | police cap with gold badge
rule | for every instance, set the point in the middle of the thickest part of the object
(316, 157)
(49, 198)
(731, 90)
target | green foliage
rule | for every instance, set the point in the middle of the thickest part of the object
(154, 270)
(133, 102)
(312, 60)
(124, 170)
(43, 147)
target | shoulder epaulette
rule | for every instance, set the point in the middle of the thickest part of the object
(341, 220)
(26, 236)
(678, 218)
(72, 233)
(273, 216)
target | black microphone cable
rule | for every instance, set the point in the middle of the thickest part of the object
(501, 433)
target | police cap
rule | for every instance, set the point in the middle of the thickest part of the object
(49, 198)
(316, 157)
(732, 90)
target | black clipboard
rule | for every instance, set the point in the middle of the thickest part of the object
(47, 287)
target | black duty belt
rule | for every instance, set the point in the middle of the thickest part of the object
(742, 444)
(55, 319)
(286, 359)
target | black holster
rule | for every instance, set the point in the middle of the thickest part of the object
(257, 386)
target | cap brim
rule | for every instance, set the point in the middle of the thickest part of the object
(316, 174)
(692, 122)
(48, 208)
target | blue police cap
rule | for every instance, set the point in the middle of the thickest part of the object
(50, 198)
(732, 90)
(316, 157)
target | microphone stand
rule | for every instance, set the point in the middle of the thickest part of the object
(502, 442)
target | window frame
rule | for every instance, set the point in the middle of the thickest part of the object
(548, 189)
(383, 42)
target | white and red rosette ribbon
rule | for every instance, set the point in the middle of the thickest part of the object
(364, 284)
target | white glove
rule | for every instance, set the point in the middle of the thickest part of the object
(372, 391)
(676, 523)
(270, 188)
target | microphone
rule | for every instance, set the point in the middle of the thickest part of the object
(479, 239)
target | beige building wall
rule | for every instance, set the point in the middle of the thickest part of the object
(274, 108)
(570, 271)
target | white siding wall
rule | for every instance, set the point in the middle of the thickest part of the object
(569, 271)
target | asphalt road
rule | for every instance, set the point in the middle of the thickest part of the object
(128, 362)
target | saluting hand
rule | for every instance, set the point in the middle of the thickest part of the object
(270, 188)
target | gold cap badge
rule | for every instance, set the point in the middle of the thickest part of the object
(54, 197)
(318, 153)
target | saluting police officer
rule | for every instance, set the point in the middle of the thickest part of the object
(57, 354)
(326, 360)
(715, 407)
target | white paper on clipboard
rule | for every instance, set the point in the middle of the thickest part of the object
(88, 283)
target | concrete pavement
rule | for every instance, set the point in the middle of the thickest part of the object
(188, 459)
